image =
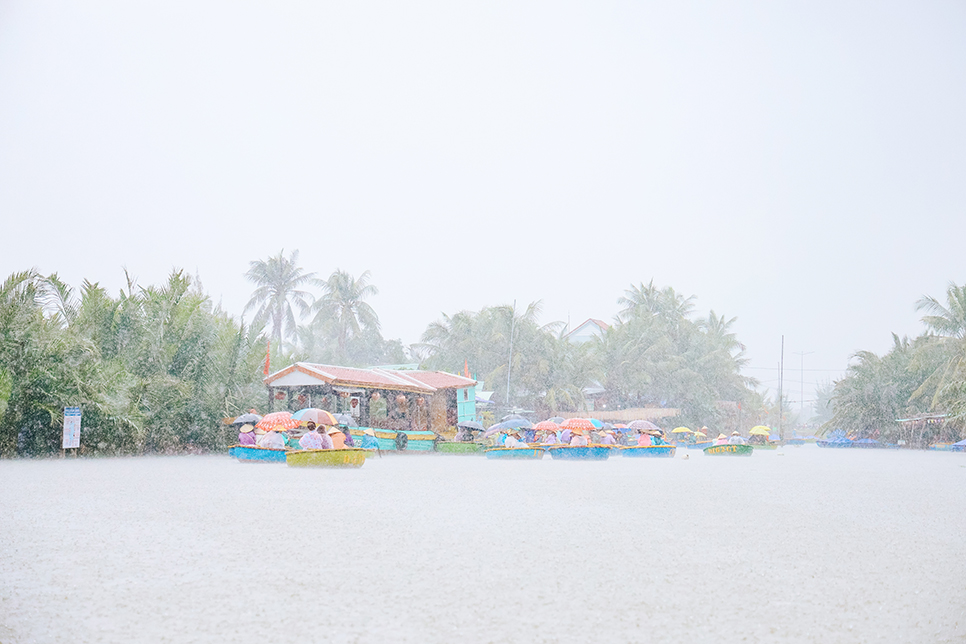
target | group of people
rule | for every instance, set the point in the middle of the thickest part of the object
(316, 437)
(734, 439)
(514, 438)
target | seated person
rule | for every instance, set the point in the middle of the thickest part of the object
(513, 439)
(337, 437)
(313, 439)
(272, 440)
(607, 438)
(578, 439)
(644, 440)
(657, 438)
(550, 438)
(736, 439)
(369, 440)
(721, 440)
(246, 435)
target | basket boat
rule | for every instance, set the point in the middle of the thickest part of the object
(699, 444)
(580, 453)
(391, 440)
(255, 454)
(512, 453)
(348, 457)
(648, 451)
(448, 447)
(729, 450)
(765, 446)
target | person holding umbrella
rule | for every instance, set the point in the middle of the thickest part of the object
(313, 439)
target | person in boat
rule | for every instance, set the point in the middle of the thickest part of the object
(565, 436)
(721, 440)
(736, 439)
(550, 437)
(246, 435)
(756, 439)
(607, 438)
(337, 437)
(513, 440)
(292, 439)
(369, 440)
(314, 439)
(272, 440)
(657, 437)
(644, 440)
(578, 439)
(348, 436)
(529, 435)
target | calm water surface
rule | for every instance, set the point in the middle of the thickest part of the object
(806, 545)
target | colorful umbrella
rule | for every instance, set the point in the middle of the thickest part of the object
(596, 423)
(556, 419)
(760, 430)
(680, 430)
(346, 420)
(546, 426)
(513, 423)
(577, 423)
(642, 425)
(277, 420)
(317, 416)
(700, 434)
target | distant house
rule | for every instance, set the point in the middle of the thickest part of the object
(587, 331)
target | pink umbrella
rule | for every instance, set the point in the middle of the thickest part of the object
(278, 420)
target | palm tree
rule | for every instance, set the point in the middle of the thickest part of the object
(343, 307)
(947, 326)
(279, 280)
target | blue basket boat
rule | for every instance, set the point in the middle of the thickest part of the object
(578, 453)
(514, 453)
(648, 451)
(838, 444)
(253, 454)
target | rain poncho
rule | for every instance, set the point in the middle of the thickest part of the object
(272, 440)
(315, 440)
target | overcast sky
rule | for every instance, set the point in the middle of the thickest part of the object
(801, 166)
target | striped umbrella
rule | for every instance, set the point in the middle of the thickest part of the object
(277, 420)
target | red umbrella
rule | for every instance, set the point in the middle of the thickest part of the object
(546, 426)
(577, 423)
(277, 420)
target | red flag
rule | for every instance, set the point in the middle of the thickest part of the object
(268, 350)
(466, 368)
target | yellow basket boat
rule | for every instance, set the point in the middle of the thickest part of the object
(349, 457)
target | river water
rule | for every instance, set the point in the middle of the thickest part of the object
(801, 545)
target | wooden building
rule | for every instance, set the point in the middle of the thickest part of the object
(379, 398)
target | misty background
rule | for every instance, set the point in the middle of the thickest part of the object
(798, 166)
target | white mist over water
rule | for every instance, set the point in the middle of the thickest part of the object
(809, 546)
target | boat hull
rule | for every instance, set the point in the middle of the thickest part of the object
(729, 450)
(253, 454)
(459, 448)
(835, 444)
(648, 451)
(349, 457)
(514, 453)
(415, 441)
(700, 445)
(580, 453)
(768, 446)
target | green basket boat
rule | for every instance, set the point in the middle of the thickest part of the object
(729, 450)
(766, 446)
(459, 448)
(349, 457)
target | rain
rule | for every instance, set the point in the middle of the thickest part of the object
(368, 322)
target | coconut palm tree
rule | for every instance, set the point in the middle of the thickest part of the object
(947, 328)
(343, 308)
(279, 281)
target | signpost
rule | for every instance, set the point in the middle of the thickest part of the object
(72, 427)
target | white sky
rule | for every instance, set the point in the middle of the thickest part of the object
(798, 165)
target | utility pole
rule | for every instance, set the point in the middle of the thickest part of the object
(509, 362)
(781, 376)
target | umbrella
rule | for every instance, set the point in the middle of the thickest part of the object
(620, 426)
(546, 426)
(512, 417)
(277, 420)
(960, 444)
(346, 420)
(642, 425)
(596, 423)
(607, 426)
(680, 430)
(470, 424)
(577, 423)
(556, 419)
(317, 416)
(760, 430)
(700, 434)
(246, 419)
(510, 424)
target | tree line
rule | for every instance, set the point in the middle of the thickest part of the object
(156, 368)
(925, 375)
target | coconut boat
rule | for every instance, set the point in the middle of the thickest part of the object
(391, 440)
(347, 457)
(255, 454)
(647, 451)
(768, 445)
(456, 447)
(580, 453)
(729, 450)
(514, 453)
